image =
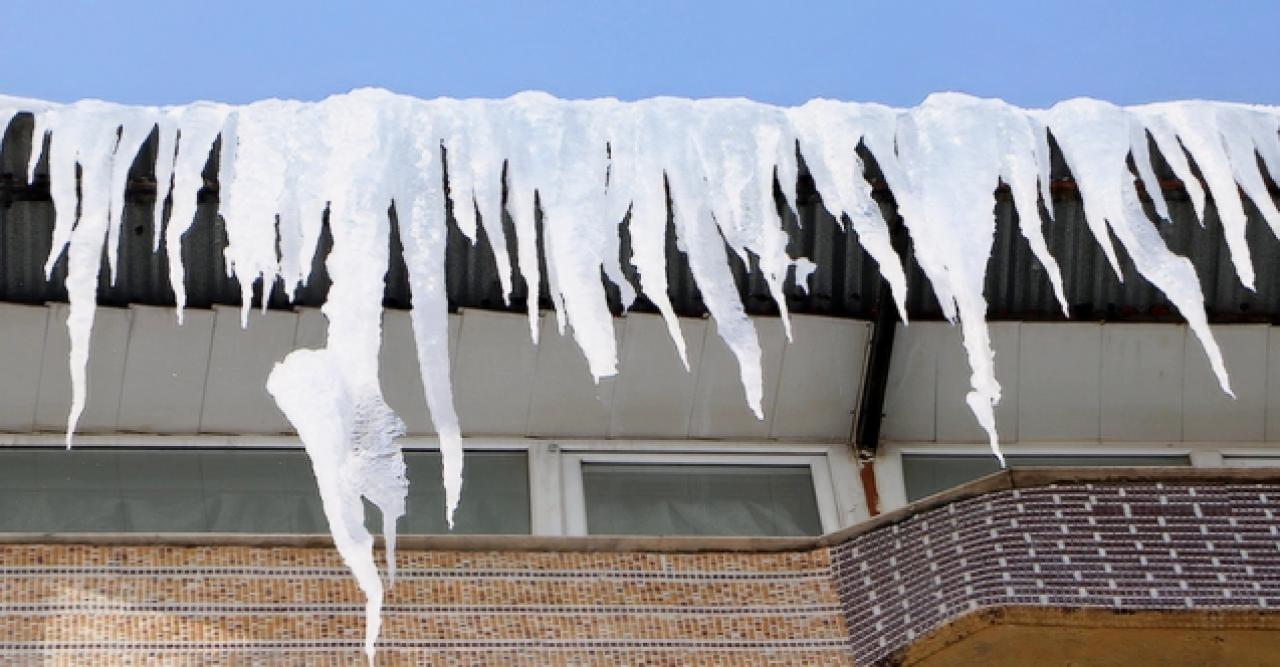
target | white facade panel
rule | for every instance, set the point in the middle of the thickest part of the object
(22, 328)
(1142, 369)
(820, 380)
(719, 405)
(1208, 414)
(653, 394)
(910, 401)
(235, 397)
(1060, 382)
(398, 371)
(165, 372)
(1273, 385)
(493, 372)
(565, 400)
(108, 348)
(955, 421)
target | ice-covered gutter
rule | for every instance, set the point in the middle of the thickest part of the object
(584, 166)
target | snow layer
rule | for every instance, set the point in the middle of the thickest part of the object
(570, 175)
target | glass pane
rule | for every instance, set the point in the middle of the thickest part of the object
(927, 474)
(235, 491)
(495, 495)
(674, 499)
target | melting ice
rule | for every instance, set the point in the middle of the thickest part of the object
(371, 158)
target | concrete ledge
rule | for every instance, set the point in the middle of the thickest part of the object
(1005, 480)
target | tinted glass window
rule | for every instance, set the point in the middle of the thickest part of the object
(233, 491)
(927, 474)
(644, 499)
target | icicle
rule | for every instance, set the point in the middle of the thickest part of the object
(420, 211)
(829, 135)
(954, 149)
(1024, 168)
(198, 126)
(254, 195)
(676, 120)
(166, 157)
(560, 152)
(737, 145)
(345, 425)
(94, 137)
(1096, 138)
(636, 188)
(1222, 140)
(475, 171)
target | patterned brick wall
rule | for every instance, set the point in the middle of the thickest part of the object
(1115, 545)
(75, 604)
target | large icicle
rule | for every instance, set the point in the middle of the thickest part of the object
(1096, 138)
(954, 150)
(829, 134)
(1223, 139)
(96, 138)
(698, 235)
(196, 127)
(332, 396)
(418, 182)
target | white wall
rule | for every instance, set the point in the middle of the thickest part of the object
(1088, 382)
(148, 375)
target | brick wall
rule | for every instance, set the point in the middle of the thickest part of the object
(77, 604)
(1122, 545)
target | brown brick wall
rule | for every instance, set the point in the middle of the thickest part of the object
(77, 604)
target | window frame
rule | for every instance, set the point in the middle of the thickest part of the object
(574, 506)
(556, 503)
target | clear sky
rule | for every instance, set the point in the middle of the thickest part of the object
(1029, 52)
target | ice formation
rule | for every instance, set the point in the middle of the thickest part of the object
(369, 159)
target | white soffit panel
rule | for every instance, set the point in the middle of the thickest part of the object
(108, 349)
(22, 328)
(312, 331)
(493, 372)
(1209, 415)
(1142, 368)
(653, 393)
(719, 405)
(165, 372)
(1273, 385)
(1058, 374)
(910, 394)
(235, 397)
(821, 376)
(399, 374)
(955, 421)
(566, 401)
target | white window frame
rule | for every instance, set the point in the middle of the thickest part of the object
(556, 503)
(574, 505)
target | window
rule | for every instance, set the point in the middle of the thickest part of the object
(667, 499)
(927, 474)
(232, 490)
(264, 485)
(747, 493)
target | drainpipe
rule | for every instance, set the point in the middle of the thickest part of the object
(875, 379)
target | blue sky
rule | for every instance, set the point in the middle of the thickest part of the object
(1029, 52)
